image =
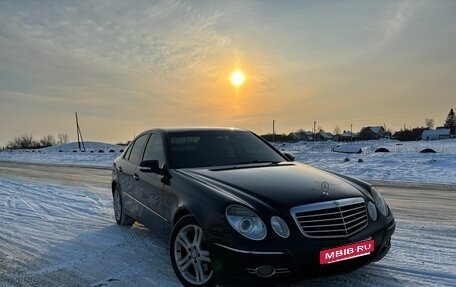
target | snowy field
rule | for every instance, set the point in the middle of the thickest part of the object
(403, 163)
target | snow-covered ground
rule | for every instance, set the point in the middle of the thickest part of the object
(55, 234)
(404, 162)
(59, 234)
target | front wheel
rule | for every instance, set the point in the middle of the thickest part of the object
(189, 255)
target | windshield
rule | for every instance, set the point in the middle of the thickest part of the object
(217, 148)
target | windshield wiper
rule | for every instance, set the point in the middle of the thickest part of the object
(258, 161)
(248, 164)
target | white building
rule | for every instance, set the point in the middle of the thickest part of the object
(439, 134)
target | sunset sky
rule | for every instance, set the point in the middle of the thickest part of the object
(128, 66)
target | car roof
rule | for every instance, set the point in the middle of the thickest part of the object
(193, 129)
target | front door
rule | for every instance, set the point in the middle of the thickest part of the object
(149, 186)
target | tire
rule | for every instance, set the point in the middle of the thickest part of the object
(189, 255)
(119, 214)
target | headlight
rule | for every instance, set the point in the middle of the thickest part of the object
(280, 227)
(379, 202)
(246, 222)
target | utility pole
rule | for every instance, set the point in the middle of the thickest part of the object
(78, 131)
(351, 132)
(315, 130)
(273, 130)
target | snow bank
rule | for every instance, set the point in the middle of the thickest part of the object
(96, 154)
(348, 148)
(89, 146)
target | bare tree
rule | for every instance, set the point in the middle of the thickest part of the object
(337, 130)
(63, 138)
(48, 140)
(429, 123)
(22, 141)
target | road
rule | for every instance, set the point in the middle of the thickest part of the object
(57, 229)
(67, 174)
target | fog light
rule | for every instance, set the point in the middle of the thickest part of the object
(265, 271)
(280, 227)
(372, 210)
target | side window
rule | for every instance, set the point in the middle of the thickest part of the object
(137, 149)
(154, 149)
(128, 152)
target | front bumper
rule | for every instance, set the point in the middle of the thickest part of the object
(292, 260)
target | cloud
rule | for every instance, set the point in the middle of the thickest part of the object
(74, 55)
(164, 37)
(396, 22)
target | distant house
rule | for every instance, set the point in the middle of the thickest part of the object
(323, 136)
(410, 135)
(301, 136)
(372, 133)
(348, 136)
(438, 134)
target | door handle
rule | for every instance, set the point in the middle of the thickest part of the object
(136, 176)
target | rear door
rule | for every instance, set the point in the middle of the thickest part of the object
(129, 168)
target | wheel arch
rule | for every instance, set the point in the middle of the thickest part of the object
(113, 186)
(181, 213)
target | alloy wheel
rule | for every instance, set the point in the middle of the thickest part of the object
(191, 255)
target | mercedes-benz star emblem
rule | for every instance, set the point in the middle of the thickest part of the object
(325, 188)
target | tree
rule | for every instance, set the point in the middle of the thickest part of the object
(46, 141)
(450, 122)
(337, 130)
(429, 123)
(63, 138)
(22, 141)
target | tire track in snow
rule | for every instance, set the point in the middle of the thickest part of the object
(432, 277)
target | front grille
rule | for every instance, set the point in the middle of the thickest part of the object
(331, 219)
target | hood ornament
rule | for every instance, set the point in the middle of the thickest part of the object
(325, 188)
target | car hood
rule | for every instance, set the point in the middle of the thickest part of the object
(286, 184)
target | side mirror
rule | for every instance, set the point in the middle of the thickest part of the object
(289, 156)
(150, 166)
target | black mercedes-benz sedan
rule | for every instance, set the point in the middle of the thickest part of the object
(235, 209)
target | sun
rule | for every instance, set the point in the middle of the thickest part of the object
(237, 78)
